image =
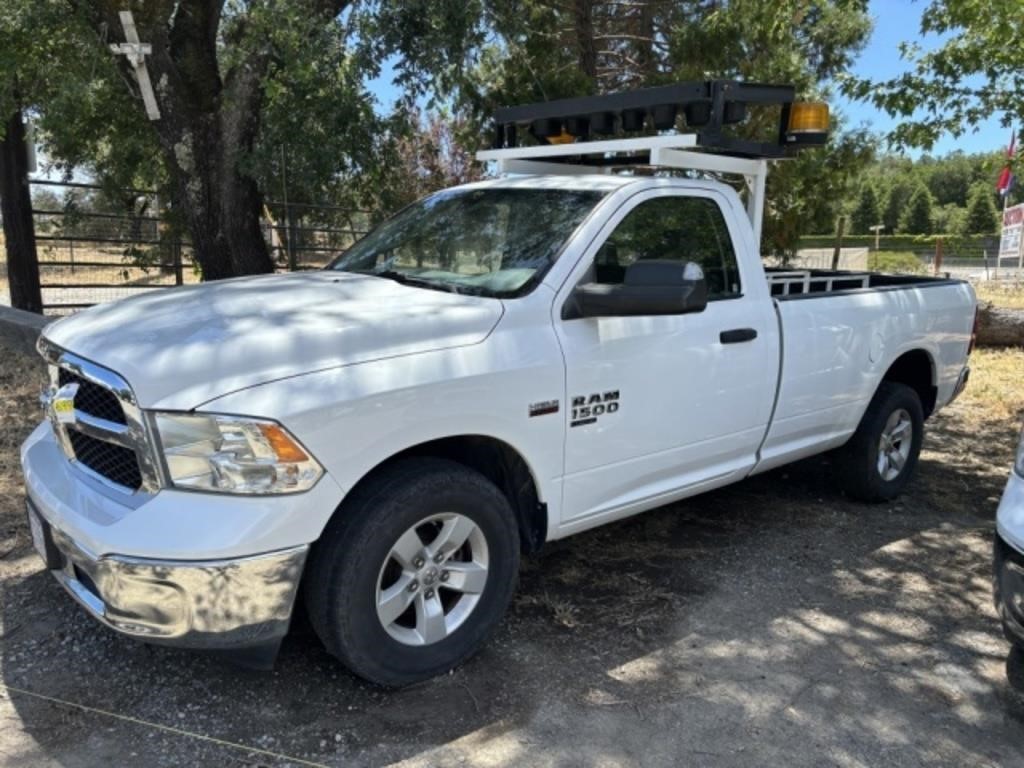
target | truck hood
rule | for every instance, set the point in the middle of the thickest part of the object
(180, 348)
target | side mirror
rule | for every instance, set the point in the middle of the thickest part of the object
(656, 287)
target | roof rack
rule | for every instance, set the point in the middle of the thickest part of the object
(675, 151)
(563, 129)
(708, 106)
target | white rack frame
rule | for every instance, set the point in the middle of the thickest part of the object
(804, 279)
(676, 152)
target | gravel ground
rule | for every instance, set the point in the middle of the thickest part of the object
(771, 623)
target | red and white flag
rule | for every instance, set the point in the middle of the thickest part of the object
(1006, 179)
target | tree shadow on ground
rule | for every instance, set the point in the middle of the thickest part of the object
(772, 622)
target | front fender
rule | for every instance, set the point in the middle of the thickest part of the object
(357, 417)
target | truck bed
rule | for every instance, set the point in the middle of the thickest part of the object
(807, 283)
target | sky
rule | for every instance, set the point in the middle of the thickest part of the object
(895, 22)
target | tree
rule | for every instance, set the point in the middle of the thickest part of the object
(917, 218)
(208, 70)
(866, 214)
(218, 66)
(548, 50)
(982, 218)
(950, 178)
(427, 156)
(976, 71)
(16, 209)
(949, 219)
(31, 39)
(895, 204)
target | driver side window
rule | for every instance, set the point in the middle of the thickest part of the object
(674, 229)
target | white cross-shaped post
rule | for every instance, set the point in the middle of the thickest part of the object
(136, 53)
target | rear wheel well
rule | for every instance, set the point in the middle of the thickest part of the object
(916, 370)
(502, 465)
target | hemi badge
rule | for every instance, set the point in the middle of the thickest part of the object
(543, 408)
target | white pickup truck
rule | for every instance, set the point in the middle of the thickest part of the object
(499, 365)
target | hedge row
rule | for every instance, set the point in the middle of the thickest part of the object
(951, 244)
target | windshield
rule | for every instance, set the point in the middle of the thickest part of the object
(492, 242)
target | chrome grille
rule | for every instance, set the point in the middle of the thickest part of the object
(117, 464)
(92, 398)
(102, 430)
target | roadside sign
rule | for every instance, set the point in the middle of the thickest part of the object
(1013, 226)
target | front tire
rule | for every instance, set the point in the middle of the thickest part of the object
(415, 571)
(880, 458)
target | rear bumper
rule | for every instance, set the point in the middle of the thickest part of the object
(961, 383)
(210, 605)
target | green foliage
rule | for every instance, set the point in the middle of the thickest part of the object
(33, 38)
(981, 218)
(950, 179)
(52, 67)
(866, 214)
(976, 71)
(544, 50)
(896, 262)
(949, 218)
(895, 204)
(426, 157)
(917, 218)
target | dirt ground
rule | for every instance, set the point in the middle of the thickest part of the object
(771, 623)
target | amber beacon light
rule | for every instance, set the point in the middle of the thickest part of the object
(808, 123)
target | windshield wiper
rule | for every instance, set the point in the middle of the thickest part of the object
(407, 279)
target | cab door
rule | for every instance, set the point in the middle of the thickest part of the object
(660, 406)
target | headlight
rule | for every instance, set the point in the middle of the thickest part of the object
(1019, 465)
(231, 454)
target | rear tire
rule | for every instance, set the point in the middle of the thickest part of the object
(880, 458)
(414, 573)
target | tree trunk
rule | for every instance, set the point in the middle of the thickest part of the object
(16, 208)
(1000, 326)
(199, 112)
(583, 18)
(241, 200)
(195, 173)
(208, 80)
(645, 55)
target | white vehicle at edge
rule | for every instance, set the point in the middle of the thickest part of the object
(500, 365)
(1008, 553)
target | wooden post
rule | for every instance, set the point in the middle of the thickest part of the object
(938, 255)
(179, 278)
(837, 251)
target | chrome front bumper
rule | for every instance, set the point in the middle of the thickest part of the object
(232, 604)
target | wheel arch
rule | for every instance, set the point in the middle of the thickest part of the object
(500, 463)
(916, 369)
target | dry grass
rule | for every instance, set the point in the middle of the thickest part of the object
(121, 270)
(1002, 294)
(21, 381)
(996, 389)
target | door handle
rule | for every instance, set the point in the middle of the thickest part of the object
(737, 335)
